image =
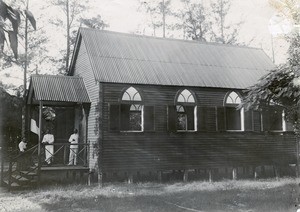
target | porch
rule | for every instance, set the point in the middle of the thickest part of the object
(27, 169)
(56, 105)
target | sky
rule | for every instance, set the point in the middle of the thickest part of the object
(123, 16)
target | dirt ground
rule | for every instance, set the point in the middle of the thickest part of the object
(260, 196)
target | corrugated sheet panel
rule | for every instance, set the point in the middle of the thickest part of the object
(126, 58)
(59, 88)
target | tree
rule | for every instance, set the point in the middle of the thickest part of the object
(222, 32)
(194, 21)
(157, 10)
(10, 119)
(288, 8)
(7, 13)
(282, 85)
(73, 11)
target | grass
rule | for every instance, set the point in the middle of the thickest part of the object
(263, 195)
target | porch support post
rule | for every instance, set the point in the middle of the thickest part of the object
(40, 141)
(100, 138)
(87, 151)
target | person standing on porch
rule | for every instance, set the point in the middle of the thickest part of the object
(73, 148)
(48, 140)
(22, 145)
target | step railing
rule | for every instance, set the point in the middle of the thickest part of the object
(29, 161)
(18, 161)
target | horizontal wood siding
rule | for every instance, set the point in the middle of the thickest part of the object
(165, 150)
(83, 69)
(196, 150)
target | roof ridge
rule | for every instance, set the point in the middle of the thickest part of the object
(53, 76)
(169, 39)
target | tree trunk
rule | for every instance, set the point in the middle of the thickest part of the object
(68, 36)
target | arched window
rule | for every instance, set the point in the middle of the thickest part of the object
(186, 111)
(234, 117)
(131, 110)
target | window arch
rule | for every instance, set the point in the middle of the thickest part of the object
(131, 94)
(132, 110)
(186, 96)
(233, 98)
(186, 111)
(234, 116)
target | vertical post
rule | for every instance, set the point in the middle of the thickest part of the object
(210, 178)
(185, 176)
(234, 173)
(9, 173)
(255, 175)
(25, 73)
(40, 141)
(65, 155)
(276, 172)
(164, 18)
(86, 136)
(68, 35)
(272, 48)
(100, 137)
(130, 178)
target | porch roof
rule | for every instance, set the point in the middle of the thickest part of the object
(58, 88)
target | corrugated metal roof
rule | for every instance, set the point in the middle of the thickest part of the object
(127, 58)
(59, 88)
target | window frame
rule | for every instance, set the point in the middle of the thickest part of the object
(132, 102)
(234, 104)
(184, 105)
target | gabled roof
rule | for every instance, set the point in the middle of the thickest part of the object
(135, 59)
(58, 88)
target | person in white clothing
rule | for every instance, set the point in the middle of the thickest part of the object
(73, 148)
(22, 145)
(48, 140)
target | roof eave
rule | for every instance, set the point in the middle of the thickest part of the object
(70, 71)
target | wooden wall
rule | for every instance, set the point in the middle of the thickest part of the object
(83, 68)
(164, 150)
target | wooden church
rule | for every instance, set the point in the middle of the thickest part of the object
(147, 106)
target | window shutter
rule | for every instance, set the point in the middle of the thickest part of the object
(114, 117)
(125, 116)
(201, 119)
(211, 119)
(248, 120)
(265, 120)
(207, 119)
(221, 119)
(190, 117)
(149, 118)
(257, 121)
(172, 118)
